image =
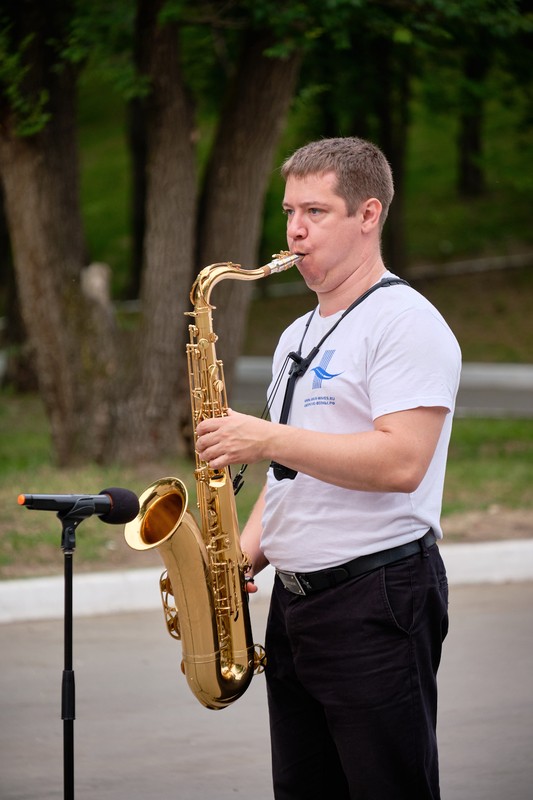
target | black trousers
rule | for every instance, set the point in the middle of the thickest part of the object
(352, 691)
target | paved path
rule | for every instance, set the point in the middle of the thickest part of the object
(140, 733)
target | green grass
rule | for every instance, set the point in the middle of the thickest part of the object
(490, 463)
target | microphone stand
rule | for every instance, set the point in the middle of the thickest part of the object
(70, 521)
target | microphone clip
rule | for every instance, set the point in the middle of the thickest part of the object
(70, 518)
(300, 364)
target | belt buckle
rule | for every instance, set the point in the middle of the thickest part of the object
(291, 582)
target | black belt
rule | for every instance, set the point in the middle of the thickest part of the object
(309, 582)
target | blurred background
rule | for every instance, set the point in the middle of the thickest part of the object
(141, 141)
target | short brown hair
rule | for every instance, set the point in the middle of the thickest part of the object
(361, 169)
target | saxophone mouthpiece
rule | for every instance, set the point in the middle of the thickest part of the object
(282, 261)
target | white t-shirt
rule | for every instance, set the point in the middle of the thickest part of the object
(391, 353)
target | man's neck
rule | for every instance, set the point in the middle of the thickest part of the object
(360, 280)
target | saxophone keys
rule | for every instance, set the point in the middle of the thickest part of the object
(170, 611)
(260, 659)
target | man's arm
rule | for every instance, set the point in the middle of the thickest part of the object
(393, 457)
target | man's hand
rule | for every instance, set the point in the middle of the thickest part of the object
(250, 586)
(235, 438)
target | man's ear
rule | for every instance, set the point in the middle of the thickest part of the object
(371, 213)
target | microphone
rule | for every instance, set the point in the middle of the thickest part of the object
(115, 506)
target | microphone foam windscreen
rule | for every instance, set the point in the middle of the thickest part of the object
(124, 506)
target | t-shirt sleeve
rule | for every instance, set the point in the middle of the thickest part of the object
(415, 362)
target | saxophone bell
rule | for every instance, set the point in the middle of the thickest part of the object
(162, 507)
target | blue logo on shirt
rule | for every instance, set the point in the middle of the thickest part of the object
(321, 373)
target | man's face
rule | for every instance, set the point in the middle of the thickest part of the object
(318, 226)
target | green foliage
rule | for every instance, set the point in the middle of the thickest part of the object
(101, 32)
(29, 110)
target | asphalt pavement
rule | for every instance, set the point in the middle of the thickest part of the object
(140, 733)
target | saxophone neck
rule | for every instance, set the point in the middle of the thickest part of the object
(213, 274)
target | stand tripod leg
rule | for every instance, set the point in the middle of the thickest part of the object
(68, 694)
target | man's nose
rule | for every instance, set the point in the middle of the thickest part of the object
(295, 227)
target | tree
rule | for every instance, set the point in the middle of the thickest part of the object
(104, 402)
(70, 332)
(470, 173)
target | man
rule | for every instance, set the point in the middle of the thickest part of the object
(350, 511)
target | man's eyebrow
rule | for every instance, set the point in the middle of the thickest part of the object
(307, 204)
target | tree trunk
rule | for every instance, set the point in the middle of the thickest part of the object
(19, 372)
(470, 172)
(148, 416)
(138, 153)
(393, 114)
(68, 331)
(238, 174)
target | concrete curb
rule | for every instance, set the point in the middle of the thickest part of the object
(138, 590)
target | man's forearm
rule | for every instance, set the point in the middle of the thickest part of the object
(392, 457)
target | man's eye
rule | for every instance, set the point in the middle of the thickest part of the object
(315, 211)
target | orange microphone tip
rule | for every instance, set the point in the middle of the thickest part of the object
(21, 499)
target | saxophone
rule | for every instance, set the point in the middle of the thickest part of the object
(205, 603)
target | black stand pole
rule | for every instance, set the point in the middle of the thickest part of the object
(70, 520)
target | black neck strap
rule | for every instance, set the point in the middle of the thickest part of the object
(300, 365)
